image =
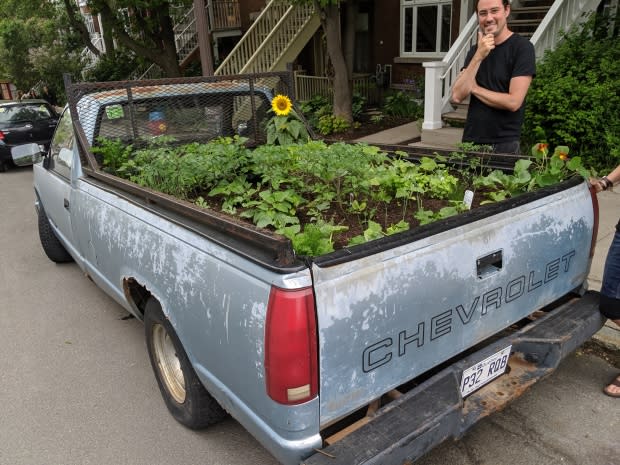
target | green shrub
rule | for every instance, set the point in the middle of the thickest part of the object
(330, 124)
(314, 108)
(575, 96)
(402, 104)
(358, 104)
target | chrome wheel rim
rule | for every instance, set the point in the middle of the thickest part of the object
(168, 363)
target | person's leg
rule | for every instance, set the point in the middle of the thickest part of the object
(513, 147)
(610, 298)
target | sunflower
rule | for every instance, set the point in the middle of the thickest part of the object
(281, 105)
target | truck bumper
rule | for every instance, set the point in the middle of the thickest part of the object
(434, 411)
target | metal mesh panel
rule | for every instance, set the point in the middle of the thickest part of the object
(185, 110)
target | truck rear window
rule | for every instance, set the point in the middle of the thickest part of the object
(197, 118)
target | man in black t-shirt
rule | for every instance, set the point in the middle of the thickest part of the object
(497, 75)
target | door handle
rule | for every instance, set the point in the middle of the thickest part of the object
(489, 264)
(66, 203)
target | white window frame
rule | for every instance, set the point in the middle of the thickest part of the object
(413, 5)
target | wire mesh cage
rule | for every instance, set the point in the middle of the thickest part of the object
(182, 110)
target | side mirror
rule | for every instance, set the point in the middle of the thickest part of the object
(27, 154)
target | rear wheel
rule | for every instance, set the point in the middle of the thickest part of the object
(52, 247)
(186, 398)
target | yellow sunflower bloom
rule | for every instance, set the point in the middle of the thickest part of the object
(281, 105)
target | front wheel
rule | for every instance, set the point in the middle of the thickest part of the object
(185, 396)
(52, 246)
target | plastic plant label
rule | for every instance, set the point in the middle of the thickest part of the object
(468, 198)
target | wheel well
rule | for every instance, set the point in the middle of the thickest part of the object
(136, 293)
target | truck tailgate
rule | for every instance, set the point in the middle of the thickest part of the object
(405, 429)
(388, 317)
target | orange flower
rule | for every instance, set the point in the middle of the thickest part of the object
(563, 156)
(542, 146)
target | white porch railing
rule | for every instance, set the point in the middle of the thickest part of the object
(561, 17)
(440, 75)
(307, 87)
(272, 35)
(90, 58)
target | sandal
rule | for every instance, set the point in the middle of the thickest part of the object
(616, 383)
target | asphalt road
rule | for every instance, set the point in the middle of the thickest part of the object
(76, 386)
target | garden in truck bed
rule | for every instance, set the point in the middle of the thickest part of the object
(323, 196)
(235, 145)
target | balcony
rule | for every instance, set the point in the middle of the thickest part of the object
(224, 15)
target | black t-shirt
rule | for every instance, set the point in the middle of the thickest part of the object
(485, 125)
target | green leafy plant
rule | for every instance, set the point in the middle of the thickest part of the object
(313, 192)
(330, 124)
(314, 108)
(544, 169)
(357, 105)
(315, 239)
(374, 231)
(377, 119)
(273, 208)
(402, 104)
(575, 97)
(114, 153)
(429, 216)
(285, 127)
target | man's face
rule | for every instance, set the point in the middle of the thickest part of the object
(492, 16)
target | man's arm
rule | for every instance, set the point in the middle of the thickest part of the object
(466, 80)
(511, 100)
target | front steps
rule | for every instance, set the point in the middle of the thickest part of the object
(450, 135)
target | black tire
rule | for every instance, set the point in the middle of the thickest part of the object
(52, 247)
(185, 396)
(3, 166)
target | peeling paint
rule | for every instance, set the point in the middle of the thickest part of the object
(387, 318)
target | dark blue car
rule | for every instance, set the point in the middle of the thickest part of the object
(25, 122)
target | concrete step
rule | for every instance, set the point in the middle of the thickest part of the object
(458, 115)
(529, 9)
(444, 138)
(398, 135)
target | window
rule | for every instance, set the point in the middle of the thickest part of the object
(61, 148)
(25, 112)
(425, 28)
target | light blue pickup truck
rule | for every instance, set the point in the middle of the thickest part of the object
(370, 354)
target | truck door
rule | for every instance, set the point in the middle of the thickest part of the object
(55, 189)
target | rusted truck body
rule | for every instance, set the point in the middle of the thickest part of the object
(371, 354)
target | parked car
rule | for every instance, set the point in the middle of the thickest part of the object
(24, 122)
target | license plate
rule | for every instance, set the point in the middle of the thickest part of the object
(485, 371)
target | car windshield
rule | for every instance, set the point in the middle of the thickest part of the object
(24, 112)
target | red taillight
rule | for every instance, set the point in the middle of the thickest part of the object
(1, 135)
(595, 226)
(291, 360)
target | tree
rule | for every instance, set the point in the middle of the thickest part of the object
(36, 44)
(329, 11)
(77, 23)
(144, 27)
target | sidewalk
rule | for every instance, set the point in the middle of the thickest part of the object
(609, 213)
